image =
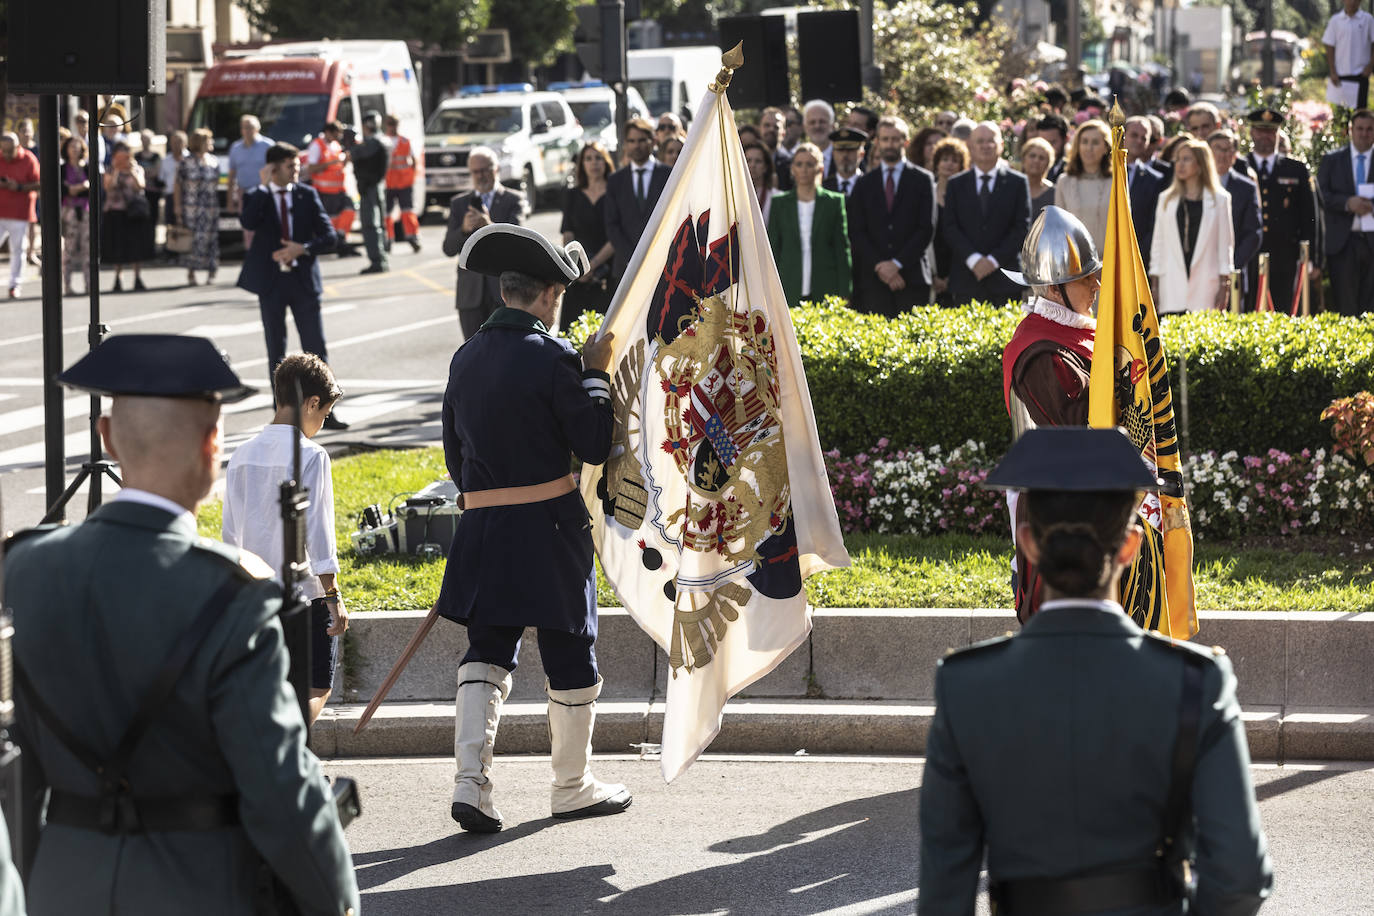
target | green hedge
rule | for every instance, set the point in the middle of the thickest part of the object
(934, 377)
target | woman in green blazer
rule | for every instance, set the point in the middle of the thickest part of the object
(809, 234)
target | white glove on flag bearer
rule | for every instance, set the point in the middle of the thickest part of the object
(714, 505)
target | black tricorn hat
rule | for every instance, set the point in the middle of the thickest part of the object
(500, 247)
(156, 365)
(1072, 458)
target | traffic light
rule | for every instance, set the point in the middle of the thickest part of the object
(600, 39)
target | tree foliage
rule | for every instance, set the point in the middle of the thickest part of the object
(439, 24)
(934, 56)
(539, 29)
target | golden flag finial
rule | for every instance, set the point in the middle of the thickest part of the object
(1118, 119)
(730, 61)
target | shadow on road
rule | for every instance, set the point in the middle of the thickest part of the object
(377, 868)
(862, 850)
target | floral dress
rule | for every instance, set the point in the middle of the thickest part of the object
(199, 179)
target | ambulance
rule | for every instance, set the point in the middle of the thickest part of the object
(295, 87)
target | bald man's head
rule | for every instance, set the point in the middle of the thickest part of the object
(168, 446)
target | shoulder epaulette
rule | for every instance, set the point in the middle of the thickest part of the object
(244, 563)
(1178, 645)
(23, 534)
(978, 648)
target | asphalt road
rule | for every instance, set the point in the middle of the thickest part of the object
(390, 337)
(762, 835)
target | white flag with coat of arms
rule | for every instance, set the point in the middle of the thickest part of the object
(714, 506)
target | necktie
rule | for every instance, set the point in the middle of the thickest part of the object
(985, 193)
(845, 185)
(1264, 170)
(889, 188)
(285, 218)
(1130, 177)
(1359, 170)
(486, 201)
(641, 194)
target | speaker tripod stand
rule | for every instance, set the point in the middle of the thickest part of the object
(97, 467)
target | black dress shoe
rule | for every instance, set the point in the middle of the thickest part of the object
(333, 422)
(349, 251)
(613, 805)
(472, 820)
(138, 285)
(415, 242)
(374, 269)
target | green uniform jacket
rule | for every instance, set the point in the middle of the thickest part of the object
(97, 609)
(831, 270)
(1052, 750)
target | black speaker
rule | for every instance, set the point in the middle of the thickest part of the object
(85, 47)
(828, 48)
(762, 81)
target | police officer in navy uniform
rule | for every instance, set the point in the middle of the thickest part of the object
(1103, 769)
(1288, 207)
(520, 404)
(151, 675)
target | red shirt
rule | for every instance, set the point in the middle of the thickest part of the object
(23, 168)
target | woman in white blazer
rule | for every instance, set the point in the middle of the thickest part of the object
(1191, 254)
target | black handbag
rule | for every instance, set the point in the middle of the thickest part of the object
(138, 207)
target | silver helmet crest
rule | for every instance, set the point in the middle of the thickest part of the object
(1058, 249)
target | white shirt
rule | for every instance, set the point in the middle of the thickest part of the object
(252, 514)
(167, 172)
(276, 191)
(1264, 164)
(977, 190)
(1355, 175)
(846, 185)
(1351, 36)
(806, 216)
(642, 173)
(144, 498)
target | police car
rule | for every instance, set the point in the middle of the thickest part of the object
(535, 136)
(593, 102)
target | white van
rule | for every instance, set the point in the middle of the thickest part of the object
(673, 79)
(593, 102)
(295, 87)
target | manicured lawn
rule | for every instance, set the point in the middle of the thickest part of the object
(950, 571)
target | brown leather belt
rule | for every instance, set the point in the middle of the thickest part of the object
(518, 496)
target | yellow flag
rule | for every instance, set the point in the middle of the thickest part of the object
(1129, 387)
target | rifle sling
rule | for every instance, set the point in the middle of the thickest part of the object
(118, 807)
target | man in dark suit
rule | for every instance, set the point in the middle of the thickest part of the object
(848, 143)
(280, 266)
(1349, 244)
(631, 195)
(1245, 204)
(1017, 711)
(986, 218)
(488, 202)
(1287, 205)
(891, 223)
(1144, 182)
(1054, 130)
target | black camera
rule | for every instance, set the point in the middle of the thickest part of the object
(349, 138)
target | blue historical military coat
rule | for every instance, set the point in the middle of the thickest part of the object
(97, 610)
(1052, 750)
(515, 413)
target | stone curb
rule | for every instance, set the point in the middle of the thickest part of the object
(1281, 659)
(789, 726)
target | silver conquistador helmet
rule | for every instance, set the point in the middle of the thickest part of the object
(1058, 249)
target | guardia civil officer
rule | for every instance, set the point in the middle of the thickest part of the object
(151, 675)
(1098, 765)
(519, 405)
(1288, 206)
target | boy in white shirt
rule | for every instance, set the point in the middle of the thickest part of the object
(252, 509)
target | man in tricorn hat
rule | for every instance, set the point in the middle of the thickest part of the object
(151, 668)
(519, 405)
(1046, 365)
(1288, 207)
(1134, 806)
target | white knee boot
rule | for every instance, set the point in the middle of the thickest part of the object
(576, 793)
(481, 690)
